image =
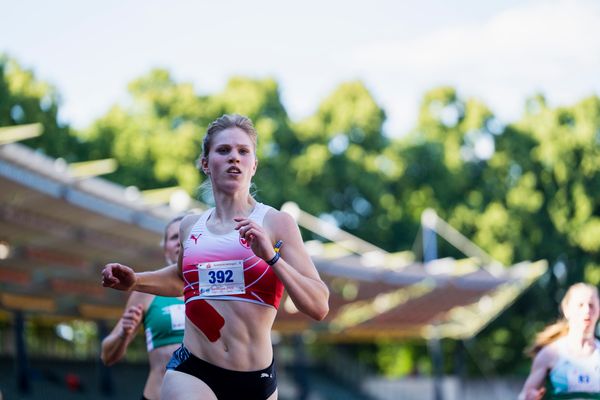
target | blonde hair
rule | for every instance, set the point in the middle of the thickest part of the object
(560, 328)
(227, 121)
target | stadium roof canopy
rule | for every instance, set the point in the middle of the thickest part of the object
(59, 227)
(57, 230)
(376, 294)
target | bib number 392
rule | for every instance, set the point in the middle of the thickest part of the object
(221, 278)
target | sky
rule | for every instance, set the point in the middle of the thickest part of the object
(500, 52)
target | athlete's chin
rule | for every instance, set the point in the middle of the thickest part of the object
(587, 325)
(228, 176)
(233, 186)
(590, 323)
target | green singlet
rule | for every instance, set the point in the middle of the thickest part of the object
(164, 322)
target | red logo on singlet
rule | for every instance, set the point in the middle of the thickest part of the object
(244, 243)
(195, 238)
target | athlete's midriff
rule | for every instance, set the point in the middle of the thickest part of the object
(157, 358)
(245, 339)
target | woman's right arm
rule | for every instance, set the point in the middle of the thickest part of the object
(163, 282)
(167, 281)
(534, 389)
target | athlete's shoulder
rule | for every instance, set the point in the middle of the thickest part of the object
(548, 355)
(188, 222)
(280, 220)
(276, 215)
(190, 219)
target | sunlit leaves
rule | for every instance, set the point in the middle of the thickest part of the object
(25, 99)
(524, 195)
(311, 163)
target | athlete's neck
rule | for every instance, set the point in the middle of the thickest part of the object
(582, 342)
(229, 207)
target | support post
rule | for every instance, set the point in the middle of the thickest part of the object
(107, 387)
(459, 362)
(435, 349)
(300, 367)
(22, 365)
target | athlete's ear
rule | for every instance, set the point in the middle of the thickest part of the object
(566, 312)
(203, 165)
(255, 166)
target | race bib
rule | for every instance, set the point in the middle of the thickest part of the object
(221, 278)
(583, 381)
(177, 313)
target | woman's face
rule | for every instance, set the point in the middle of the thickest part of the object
(582, 310)
(172, 245)
(231, 162)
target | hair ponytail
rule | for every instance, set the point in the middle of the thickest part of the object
(550, 334)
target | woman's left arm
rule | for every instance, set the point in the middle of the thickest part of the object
(295, 267)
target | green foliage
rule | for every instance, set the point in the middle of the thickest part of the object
(156, 140)
(396, 361)
(342, 161)
(24, 100)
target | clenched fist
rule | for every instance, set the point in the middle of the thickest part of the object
(118, 276)
(131, 319)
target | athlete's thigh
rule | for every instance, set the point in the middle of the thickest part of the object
(273, 396)
(181, 386)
